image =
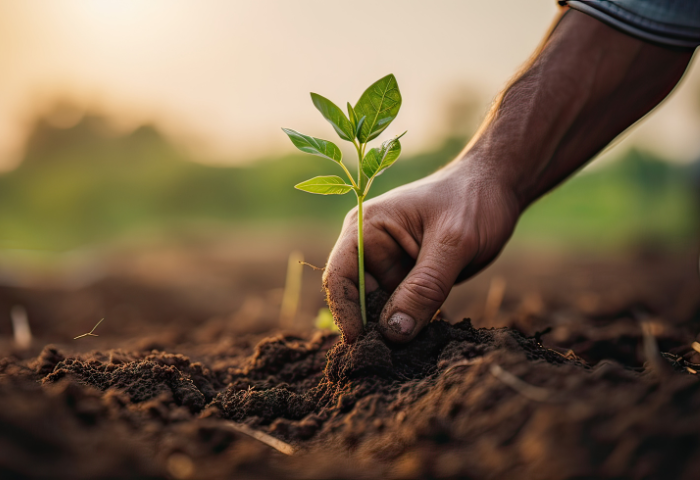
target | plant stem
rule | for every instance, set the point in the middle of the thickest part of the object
(360, 237)
(361, 259)
(349, 176)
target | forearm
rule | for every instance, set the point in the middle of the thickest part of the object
(586, 85)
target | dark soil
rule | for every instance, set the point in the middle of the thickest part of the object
(458, 402)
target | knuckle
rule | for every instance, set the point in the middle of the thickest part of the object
(429, 284)
(454, 238)
(373, 209)
(351, 216)
(451, 238)
(453, 232)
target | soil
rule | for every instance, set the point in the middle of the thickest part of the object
(614, 395)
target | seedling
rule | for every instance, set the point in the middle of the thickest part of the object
(374, 111)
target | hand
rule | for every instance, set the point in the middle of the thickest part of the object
(587, 83)
(419, 240)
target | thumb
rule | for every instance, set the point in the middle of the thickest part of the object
(423, 291)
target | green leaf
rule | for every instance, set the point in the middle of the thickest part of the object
(335, 116)
(314, 146)
(379, 159)
(380, 103)
(325, 185)
(353, 118)
(359, 125)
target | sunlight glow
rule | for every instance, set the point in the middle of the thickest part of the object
(221, 76)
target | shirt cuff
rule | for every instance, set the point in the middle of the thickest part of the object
(644, 27)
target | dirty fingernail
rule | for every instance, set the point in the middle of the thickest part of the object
(401, 323)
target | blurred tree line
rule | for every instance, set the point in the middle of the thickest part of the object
(84, 184)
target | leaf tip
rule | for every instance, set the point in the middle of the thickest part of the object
(391, 76)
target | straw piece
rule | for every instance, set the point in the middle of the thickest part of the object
(494, 298)
(696, 346)
(651, 348)
(20, 327)
(269, 440)
(464, 363)
(538, 394)
(313, 267)
(90, 334)
(292, 289)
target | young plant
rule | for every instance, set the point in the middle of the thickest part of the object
(374, 111)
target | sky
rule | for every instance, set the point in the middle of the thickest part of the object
(220, 77)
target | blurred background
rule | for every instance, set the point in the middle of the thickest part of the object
(144, 176)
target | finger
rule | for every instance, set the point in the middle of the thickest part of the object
(482, 260)
(385, 267)
(385, 259)
(340, 284)
(423, 291)
(475, 267)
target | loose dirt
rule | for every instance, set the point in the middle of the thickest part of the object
(458, 402)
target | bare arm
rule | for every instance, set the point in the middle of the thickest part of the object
(585, 86)
(588, 84)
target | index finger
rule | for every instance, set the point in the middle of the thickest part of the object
(340, 284)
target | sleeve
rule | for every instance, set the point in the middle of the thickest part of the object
(670, 23)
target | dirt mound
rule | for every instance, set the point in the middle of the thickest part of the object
(456, 402)
(573, 389)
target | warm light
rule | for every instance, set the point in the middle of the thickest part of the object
(223, 75)
(115, 12)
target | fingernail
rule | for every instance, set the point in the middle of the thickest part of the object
(401, 323)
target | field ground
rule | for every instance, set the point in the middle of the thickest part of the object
(574, 387)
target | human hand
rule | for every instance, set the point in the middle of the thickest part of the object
(420, 239)
(586, 84)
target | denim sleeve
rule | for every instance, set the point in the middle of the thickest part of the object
(671, 23)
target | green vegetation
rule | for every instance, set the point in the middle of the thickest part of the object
(638, 200)
(83, 185)
(374, 111)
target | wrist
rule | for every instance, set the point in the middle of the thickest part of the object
(480, 181)
(493, 172)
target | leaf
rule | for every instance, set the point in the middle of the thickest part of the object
(314, 146)
(370, 164)
(325, 185)
(380, 103)
(359, 125)
(335, 116)
(379, 159)
(353, 117)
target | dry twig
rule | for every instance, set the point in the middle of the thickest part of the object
(268, 440)
(314, 267)
(90, 334)
(494, 298)
(20, 326)
(538, 394)
(292, 289)
(696, 346)
(531, 392)
(464, 363)
(651, 348)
